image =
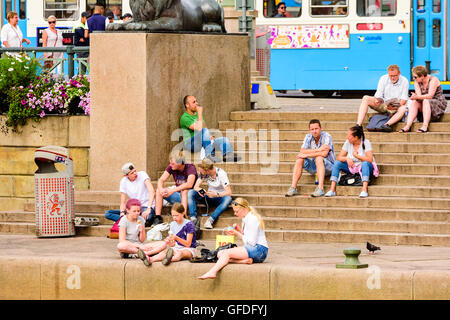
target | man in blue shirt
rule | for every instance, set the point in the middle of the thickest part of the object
(316, 156)
(97, 22)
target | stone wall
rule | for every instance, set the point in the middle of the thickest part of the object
(17, 164)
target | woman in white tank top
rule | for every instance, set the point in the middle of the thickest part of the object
(52, 37)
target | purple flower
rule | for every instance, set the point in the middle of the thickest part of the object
(24, 102)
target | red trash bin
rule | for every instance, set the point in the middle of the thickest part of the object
(54, 193)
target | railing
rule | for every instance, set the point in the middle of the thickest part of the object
(70, 50)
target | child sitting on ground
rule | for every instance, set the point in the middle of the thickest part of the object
(132, 233)
(180, 243)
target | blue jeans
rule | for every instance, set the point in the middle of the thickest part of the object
(221, 203)
(310, 166)
(258, 253)
(203, 139)
(366, 170)
(114, 215)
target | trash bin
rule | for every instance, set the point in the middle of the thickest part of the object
(54, 193)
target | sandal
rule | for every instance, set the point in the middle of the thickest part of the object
(422, 131)
(403, 130)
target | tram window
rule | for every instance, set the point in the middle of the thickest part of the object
(8, 7)
(421, 33)
(436, 33)
(282, 8)
(110, 5)
(420, 5)
(376, 8)
(62, 9)
(329, 8)
(22, 9)
(436, 6)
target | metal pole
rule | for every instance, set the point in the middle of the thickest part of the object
(244, 15)
(70, 61)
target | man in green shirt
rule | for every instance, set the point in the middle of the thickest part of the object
(196, 135)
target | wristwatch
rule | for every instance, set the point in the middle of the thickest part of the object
(217, 194)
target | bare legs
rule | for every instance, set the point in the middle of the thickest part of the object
(297, 172)
(298, 168)
(396, 117)
(234, 255)
(367, 101)
(415, 107)
(148, 248)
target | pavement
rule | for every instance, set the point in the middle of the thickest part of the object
(326, 256)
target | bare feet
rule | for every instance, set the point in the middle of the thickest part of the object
(207, 276)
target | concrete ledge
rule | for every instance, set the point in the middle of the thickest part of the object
(75, 278)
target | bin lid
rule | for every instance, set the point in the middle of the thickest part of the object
(52, 153)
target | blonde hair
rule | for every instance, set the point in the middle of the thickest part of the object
(11, 15)
(420, 71)
(206, 164)
(51, 17)
(244, 203)
(393, 67)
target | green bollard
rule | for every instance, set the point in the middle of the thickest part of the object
(351, 259)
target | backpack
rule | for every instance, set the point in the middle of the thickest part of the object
(114, 231)
(377, 121)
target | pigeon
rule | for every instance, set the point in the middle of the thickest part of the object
(372, 248)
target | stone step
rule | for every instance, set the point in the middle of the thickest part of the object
(384, 147)
(383, 179)
(416, 158)
(302, 200)
(374, 137)
(280, 115)
(317, 236)
(343, 213)
(394, 168)
(326, 125)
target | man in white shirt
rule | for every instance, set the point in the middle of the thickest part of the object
(135, 185)
(11, 36)
(391, 97)
(218, 194)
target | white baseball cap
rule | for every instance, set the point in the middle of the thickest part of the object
(127, 167)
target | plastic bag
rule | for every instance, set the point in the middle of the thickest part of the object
(155, 233)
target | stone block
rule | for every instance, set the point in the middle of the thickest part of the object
(81, 279)
(20, 278)
(152, 74)
(79, 131)
(235, 282)
(373, 283)
(431, 285)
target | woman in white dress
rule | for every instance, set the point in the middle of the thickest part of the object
(52, 37)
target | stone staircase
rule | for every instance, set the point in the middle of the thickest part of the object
(409, 204)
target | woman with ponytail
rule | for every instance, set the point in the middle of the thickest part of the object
(252, 234)
(356, 156)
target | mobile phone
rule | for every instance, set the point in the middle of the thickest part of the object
(202, 192)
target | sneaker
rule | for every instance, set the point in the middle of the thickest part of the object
(330, 194)
(124, 255)
(386, 128)
(318, 193)
(230, 157)
(363, 194)
(291, 192)
(193, 219)
(146, 260)
(168, 258)
(157, 220)
(209, 223)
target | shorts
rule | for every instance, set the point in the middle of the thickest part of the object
(193, 251)
(258, 253)
(382, 108)
(310, 166)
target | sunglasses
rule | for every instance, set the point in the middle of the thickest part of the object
(282, 7)
(52, 22)
(234, 203)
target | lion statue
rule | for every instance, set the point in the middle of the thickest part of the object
(173, 15)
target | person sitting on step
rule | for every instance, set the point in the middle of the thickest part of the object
(252, 233)
(179, 245)
(356, 156)
(196, 135)
(135, 185)
(390, 98)
(316, 156)
(218, 194)
(184, 174)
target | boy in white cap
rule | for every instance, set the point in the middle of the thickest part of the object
(135, 185)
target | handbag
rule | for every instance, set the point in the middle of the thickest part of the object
(350, 179)
(114, 231)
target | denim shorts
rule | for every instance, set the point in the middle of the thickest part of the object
(258, 253)
(310, 166)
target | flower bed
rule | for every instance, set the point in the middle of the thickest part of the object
(28, 92)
